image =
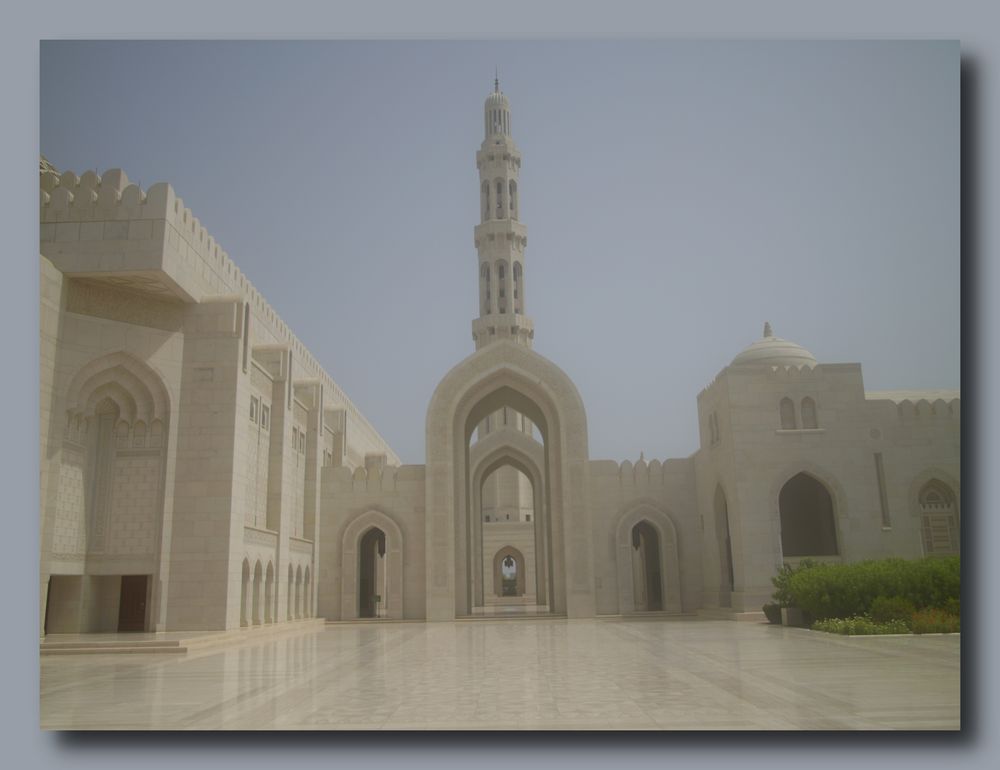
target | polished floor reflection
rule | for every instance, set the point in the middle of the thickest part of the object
(520, 674)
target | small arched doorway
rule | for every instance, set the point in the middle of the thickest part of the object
(371, 573)
(808, 527)
(269, 594)
(647, 577)
(724, 539)
(258, 588)
(245, 593)
(509, 572)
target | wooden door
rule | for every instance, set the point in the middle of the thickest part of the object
(132, 603)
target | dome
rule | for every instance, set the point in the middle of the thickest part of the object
(774, 351)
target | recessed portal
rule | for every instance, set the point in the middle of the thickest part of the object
(807, 524)
(646, 570)
(132, 603)
(371, 578)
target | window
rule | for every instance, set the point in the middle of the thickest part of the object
(295, 437)
(809, 413)
(265, 416)
(939, 520)
(302, 441)
(254, 404)
(787, 410)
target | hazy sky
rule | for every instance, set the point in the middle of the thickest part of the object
(676, 194)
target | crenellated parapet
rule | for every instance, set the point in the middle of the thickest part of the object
(106, 229)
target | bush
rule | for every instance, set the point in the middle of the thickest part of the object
(849, 590)
(953, 607)
(886, 608)
(860, 625)
(935, 621)
(782, 582)
(773, 613)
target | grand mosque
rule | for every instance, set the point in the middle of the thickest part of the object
(201, 471)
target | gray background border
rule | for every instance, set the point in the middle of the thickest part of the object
(976, 24)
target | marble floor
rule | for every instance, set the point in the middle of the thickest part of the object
(681, 674)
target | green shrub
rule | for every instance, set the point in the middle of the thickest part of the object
(860, 625)
(886, 608)
(773, 613)
(935, 621)
(782, 582)
(952, 607)
(849, 590)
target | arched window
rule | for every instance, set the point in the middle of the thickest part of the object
(501, 286)
(499, 199)
(139, 434)
(938, 519)
(518, 292)
(787, 410)
(809, 413)
(486, 201)
(512, 199)
(487, 299)
(807, 523)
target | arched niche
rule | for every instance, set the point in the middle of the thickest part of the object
(723, 539)
(519, 451)
(647, 512)
(501, 374)
(499, 560)
(350, 565)
(808, 519)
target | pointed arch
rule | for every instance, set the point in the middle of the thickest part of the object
(667, 549)
(807, 516)
(723, 539)
(141, 382)
(350, 564)
(936, 501)
(500, 559)
(501, 374)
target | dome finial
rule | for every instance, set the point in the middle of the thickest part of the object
(767, 329)
(496, 81)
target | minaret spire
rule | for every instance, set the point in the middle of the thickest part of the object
(500, 236)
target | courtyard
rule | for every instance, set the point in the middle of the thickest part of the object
(520, 674)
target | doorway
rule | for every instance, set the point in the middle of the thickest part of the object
(371, 580)
(132, 603)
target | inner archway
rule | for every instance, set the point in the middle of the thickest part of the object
(646, 568)
(808, 527)
(508, 521)
(509, 573)
(371, 575)
(506, 374)
(725, 543)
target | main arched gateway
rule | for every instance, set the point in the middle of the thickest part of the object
(507, 374)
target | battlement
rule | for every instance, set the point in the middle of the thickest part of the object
(640, 474)
(80, 213)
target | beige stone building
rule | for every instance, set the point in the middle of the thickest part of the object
(200, 470)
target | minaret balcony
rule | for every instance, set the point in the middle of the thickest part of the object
(499, 232)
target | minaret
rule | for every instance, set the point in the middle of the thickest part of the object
(500, 236)
(500, 241)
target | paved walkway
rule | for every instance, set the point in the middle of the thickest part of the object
(520, 674)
